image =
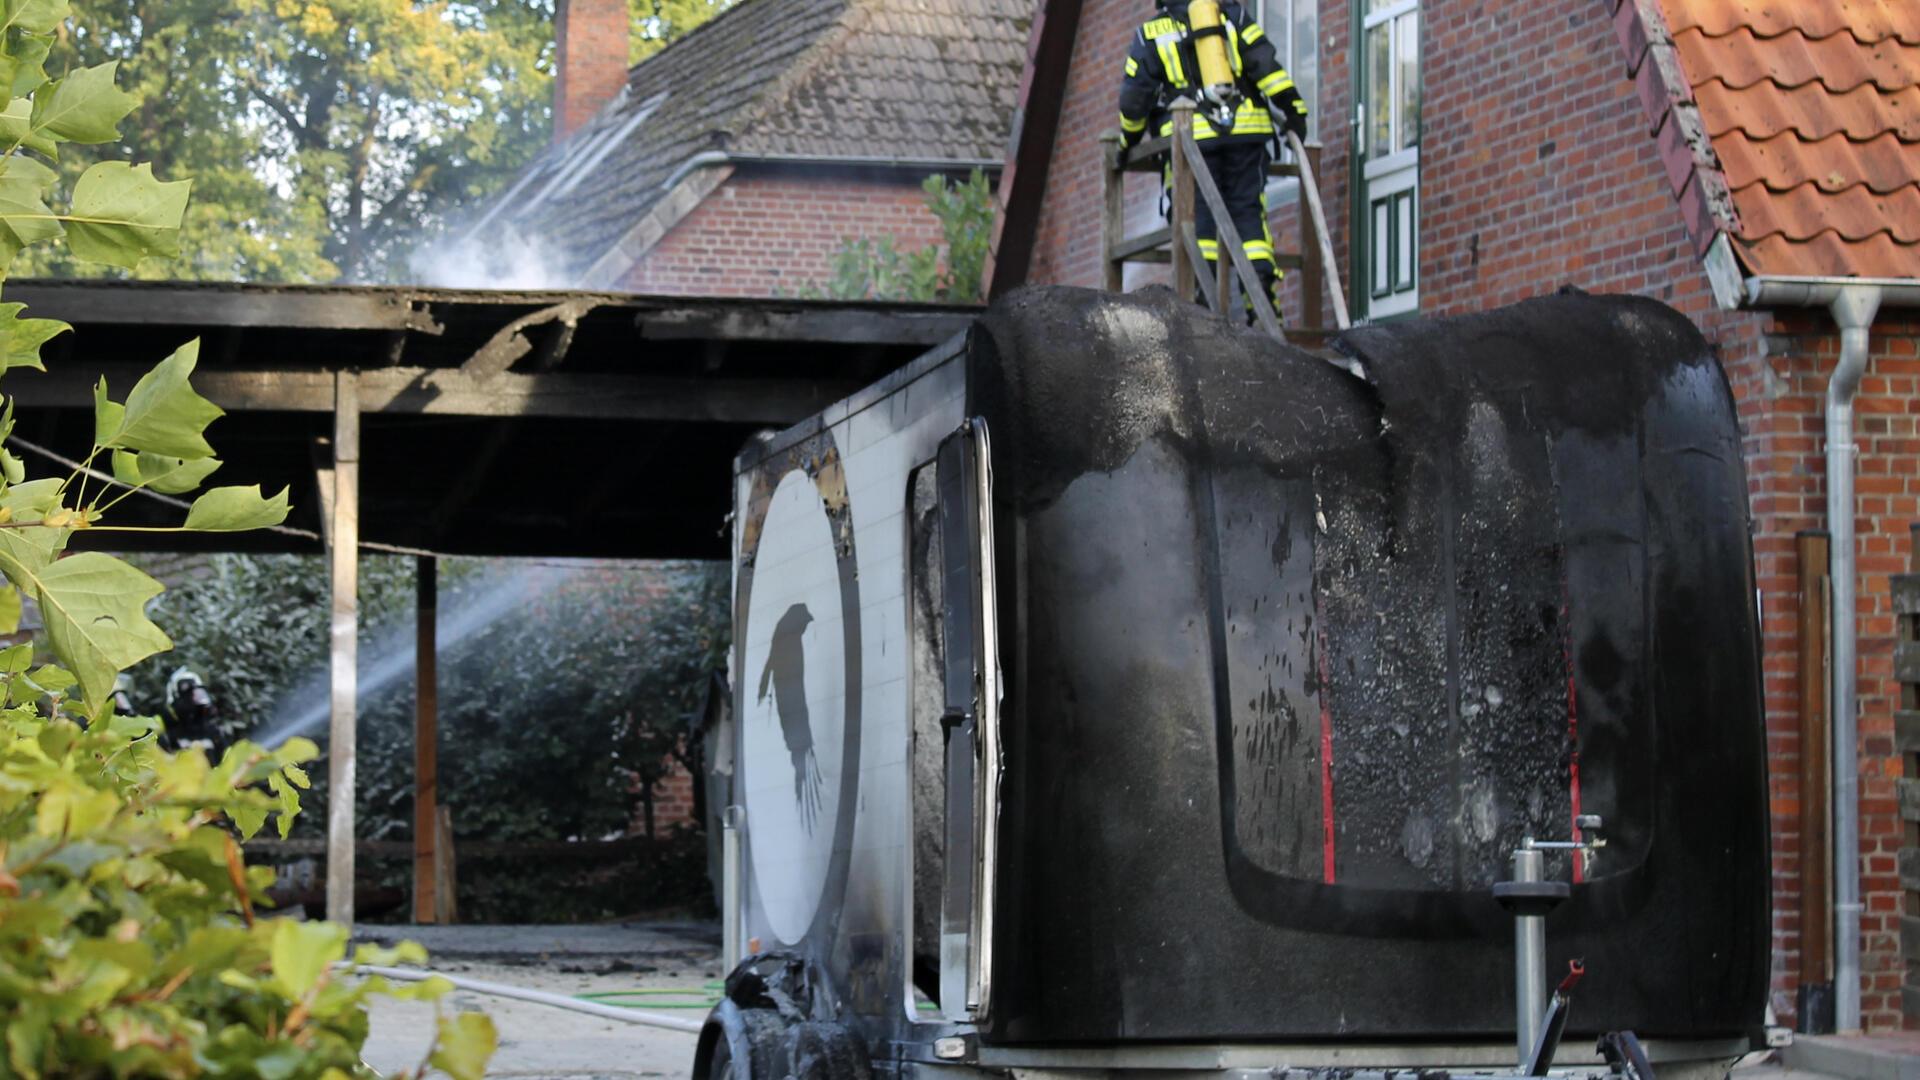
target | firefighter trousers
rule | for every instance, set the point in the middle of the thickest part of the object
(1240, 171)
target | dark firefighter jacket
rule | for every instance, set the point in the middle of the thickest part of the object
(1161, 66)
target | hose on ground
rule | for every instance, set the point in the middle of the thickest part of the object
(538, 997)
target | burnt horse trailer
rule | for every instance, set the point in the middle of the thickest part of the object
(1119, 692)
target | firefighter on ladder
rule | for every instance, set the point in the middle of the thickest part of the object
(1214, 53)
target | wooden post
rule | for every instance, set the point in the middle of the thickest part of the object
(446, 910)
(426, 735)
(345, 646)
(1181, 216)
(1816, 929)
(1312, 266)
(1113, 186)
(1223, 282)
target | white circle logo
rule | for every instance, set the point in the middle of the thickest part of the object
(792, 706)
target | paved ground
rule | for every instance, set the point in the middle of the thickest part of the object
(542, 1041)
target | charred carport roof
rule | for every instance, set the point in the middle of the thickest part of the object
(495, 423)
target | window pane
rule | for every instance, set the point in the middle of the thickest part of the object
(1381, 273)
(1380, 5)
(1406, 42)
(1403, 241)
(1379, 90)
(1305, 41)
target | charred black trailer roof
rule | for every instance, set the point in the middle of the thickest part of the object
(1296, 659)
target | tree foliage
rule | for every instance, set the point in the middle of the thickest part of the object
(659, 23)
(327, 137)
(875, 268)
(129, 939)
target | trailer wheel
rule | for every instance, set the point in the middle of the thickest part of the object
(721, 1065)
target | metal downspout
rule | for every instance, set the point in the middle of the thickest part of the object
(1853, 308)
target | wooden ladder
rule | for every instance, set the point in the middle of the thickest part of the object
(1234, 277)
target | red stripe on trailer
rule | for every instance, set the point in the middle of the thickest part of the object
(1573, 736)
(1326, 764)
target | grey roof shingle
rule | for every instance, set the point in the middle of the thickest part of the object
(923, 80)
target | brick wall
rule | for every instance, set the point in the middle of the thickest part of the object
(590, 62)
(768, 232)
(672, 802)
(1781, 387)
(1538, 170)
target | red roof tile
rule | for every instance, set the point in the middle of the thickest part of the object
(1740, 59)
(1812, 108)
(1835, 163)
(1867, 21)
(1813, 113)
(1805, 212)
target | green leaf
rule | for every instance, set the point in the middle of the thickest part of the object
(31, 500)
(467, 1041)
(51, 679)
(27, 1041)
(160, 472)
(121, 214)
(235, 509)
(23, 64)
(9, 610)
(301, 952)
(20, 339)
(16, 658)
(69, 808)
(84, 107)
(25, 217)
(163, 414)
(94, 606)
(108, 414)
(33, 16)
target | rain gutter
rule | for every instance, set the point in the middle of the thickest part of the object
(1854, 302)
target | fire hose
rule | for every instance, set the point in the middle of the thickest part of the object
(537, 997)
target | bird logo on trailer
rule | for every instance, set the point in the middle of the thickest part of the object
(785, 673)
(799, 730)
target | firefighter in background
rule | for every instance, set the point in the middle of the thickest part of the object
(1179, 53)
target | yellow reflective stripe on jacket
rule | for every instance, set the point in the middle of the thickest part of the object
(1251, 119)
(1133, 67)
(1276, 83)
(1233, 48)
(1253, 33)
(1257, 250)
(1210, 250)
(1130, 125)
(1169, 46)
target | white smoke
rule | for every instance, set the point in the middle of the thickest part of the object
(504, 259)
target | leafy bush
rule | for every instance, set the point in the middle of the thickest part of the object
(556, 719)
(875, 268)
(129, 942)
(129, 939)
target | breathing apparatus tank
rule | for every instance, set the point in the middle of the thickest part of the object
(1219, 92)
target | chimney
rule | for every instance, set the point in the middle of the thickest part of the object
(591, 66)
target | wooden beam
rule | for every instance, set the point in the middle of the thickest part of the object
(1816, 929)
(202, 305)
(451, 392)
(823, 325)
(344, 640)
(426, 737)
